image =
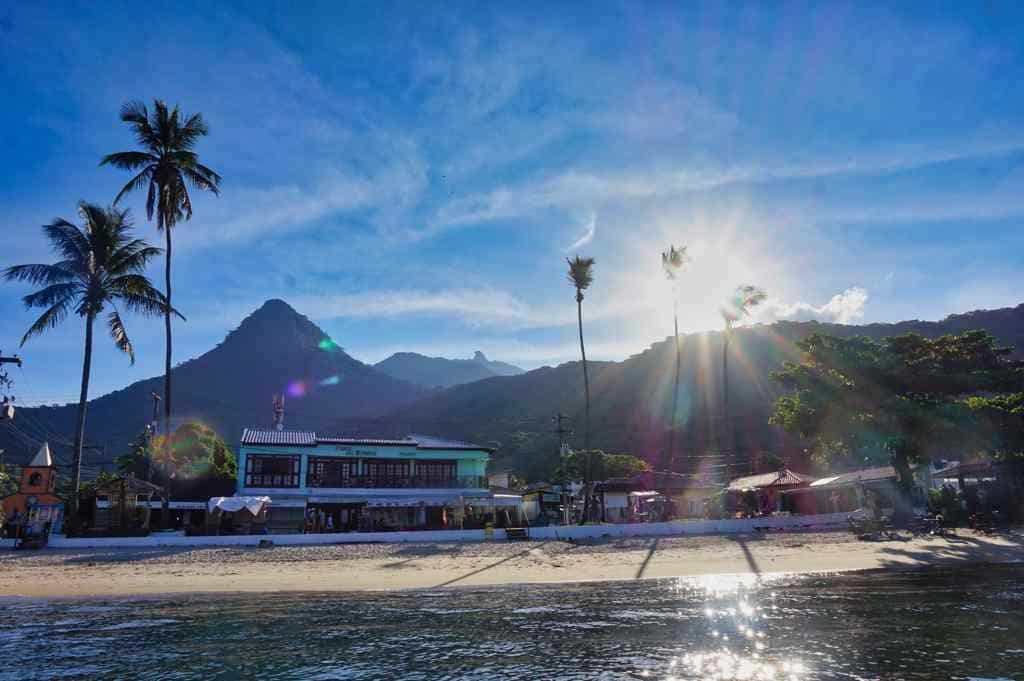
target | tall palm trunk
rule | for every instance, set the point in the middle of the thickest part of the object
(165, 509)
(586, 430)
(726, 420)
(76, 464)
(675, 394)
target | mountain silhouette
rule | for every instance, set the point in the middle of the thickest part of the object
(631, 400)
(275, 350)
(440, 372)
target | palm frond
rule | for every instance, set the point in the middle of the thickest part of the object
(204, 179)
(67, 239)
(48, 320)
(38, 274)
(52, 294)
(581, 274)
(129, 160)
(674, 260)
(132, 257)
(120, 335)
(136, 182)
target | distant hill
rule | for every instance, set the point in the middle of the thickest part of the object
(274, 350)
(439, 372)
(631, 400)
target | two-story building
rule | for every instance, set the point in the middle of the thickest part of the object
(322, 483)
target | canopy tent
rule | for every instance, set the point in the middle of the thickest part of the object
(233, 504)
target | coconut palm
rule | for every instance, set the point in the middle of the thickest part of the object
(581, 276)
(744, 298)
(166, 167)
(100, 265)
(673, 261)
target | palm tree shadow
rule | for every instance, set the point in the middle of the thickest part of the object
(751, 562)
(647, 559)
(495, 564)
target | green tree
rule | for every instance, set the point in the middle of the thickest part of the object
(8, 485)
(743, 299)
(603, 465)
(581, 276)
(100, 266)
(166, 167)
(902, 399)
(673, 261)
(198, 452)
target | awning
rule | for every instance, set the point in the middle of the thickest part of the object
(410, 502)
(507, 500)
(233, 504)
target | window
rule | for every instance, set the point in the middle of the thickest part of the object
(387, 473)
(272, 471)
(331, 472)
(435, 471)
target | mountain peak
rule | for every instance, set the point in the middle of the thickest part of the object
(275, 322)
(479, 356)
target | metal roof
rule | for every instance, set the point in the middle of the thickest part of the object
(293, 438)
(864, 475)
(380, 442)
(782, 478)
(303, 438)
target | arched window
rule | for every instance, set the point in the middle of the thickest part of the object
(35, 479)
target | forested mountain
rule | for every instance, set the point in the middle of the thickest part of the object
(631, 400)
(275, 350)
(439, 372)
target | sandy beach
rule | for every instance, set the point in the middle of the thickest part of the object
(132, 572)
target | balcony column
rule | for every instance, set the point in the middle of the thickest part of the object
(412, 469)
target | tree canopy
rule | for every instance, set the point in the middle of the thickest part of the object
(903, 399)
(604, 465)
(197, 451)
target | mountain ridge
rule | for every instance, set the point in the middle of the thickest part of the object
(441, 372)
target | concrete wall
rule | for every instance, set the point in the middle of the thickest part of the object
(558, 532)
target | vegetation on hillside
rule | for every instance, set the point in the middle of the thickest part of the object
(903, 399)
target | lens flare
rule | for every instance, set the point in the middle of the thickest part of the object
(296, 389)
(327, 345)
(331, 380)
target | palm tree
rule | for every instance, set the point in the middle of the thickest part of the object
(743, 299)
(581, 276)
(100, 264)
(166, 167)
(673, 261)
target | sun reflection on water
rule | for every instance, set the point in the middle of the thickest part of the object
(737, 642)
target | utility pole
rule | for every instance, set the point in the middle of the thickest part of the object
(7, 406)
(563, 432)
(151, 431)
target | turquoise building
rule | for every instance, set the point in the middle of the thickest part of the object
(322, 483)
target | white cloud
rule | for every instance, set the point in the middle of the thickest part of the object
(588, 235)
(572, 188)
(843, 308)
(479, 307)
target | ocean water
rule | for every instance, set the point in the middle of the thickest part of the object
(951, 624)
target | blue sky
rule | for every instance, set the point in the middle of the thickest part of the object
(412, 177)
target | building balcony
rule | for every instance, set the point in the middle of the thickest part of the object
(375, 482)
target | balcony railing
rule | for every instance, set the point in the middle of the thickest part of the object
(372, 482)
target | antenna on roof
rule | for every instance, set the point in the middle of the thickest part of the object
(278, 403)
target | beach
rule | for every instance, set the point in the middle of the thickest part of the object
(54, 573)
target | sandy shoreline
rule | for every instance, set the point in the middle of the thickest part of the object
(135, 572)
